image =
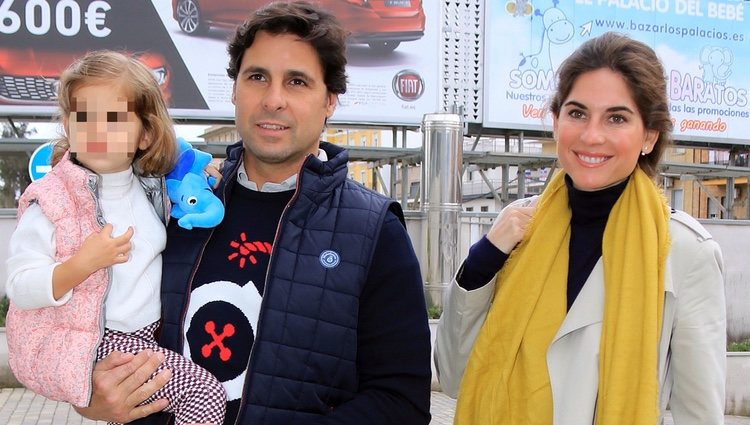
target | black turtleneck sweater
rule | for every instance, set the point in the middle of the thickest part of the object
(590, 211)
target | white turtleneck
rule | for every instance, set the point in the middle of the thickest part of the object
(133, 301)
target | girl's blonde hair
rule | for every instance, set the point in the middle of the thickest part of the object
(143, 91)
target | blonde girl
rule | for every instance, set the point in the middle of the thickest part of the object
(84, 266)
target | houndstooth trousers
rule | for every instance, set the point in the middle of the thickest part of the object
(194, 394)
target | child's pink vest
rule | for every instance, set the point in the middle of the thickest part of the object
(52, 350)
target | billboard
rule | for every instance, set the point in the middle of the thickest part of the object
(392, 56)
(703, 44)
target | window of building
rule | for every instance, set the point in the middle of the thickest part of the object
(718, 157)
(485, 208)
(713, 209)
(677, 199)
(414, 190)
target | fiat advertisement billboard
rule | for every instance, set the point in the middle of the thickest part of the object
(392, 53)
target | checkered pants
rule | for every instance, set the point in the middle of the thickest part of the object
(194, 394)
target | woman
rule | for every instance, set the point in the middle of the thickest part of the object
(609, 305)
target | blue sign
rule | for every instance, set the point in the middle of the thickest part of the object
(703, 45)
(40, 162)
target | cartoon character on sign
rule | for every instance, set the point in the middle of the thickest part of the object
(716, 62)
(519, 7)
(557, 30)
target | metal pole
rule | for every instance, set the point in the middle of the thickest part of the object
(729, 198)
(394, 171)
(405, 184)
(506, 176)
(441, 176)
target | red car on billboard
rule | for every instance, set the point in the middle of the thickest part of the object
(29, 76)
(381, 24)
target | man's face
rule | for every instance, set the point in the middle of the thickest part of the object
(281, 104)
(103, 130)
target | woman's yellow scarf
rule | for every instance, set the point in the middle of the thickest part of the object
(506, 379)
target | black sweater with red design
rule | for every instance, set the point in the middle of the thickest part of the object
(235, 257)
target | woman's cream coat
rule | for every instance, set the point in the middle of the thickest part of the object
(692, 347)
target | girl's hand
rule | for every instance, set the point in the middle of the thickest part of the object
(101, 249)
(98, 251)
(510, 226)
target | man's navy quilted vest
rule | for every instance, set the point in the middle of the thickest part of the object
(304, 357)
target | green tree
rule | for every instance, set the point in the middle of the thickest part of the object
(14, 166)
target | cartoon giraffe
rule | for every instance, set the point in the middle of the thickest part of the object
(557, 30)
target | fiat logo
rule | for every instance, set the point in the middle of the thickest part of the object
(408, 85)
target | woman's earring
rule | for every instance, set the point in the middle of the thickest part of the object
(643, 153)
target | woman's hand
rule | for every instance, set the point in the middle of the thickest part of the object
(510, 226)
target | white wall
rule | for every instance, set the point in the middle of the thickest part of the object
(732, 235)
(734, 238)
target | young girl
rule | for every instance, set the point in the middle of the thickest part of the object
(84, 266)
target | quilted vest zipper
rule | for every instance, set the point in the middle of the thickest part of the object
(271, 263)
(92, 184)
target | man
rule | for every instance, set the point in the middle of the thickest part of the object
(306, 301)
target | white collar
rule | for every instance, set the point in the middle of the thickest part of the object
(288, 184)
(115, 185)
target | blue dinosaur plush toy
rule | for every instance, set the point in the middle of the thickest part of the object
(193, 202)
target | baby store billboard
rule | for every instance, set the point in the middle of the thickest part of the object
(703, 44)
(392, 55)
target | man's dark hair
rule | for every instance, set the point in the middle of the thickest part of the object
(316, 26)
